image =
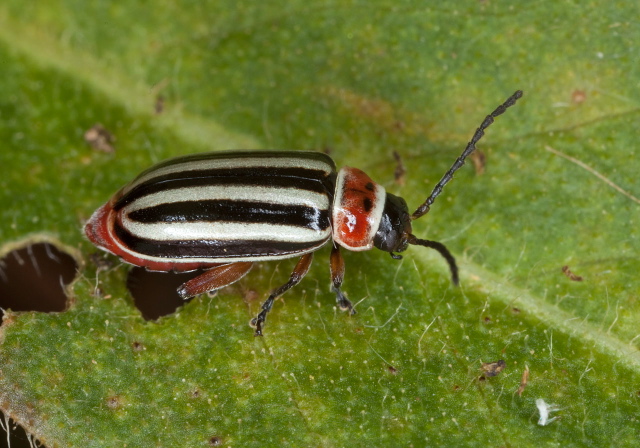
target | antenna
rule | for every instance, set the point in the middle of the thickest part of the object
(471, 146)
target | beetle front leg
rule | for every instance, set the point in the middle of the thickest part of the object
(337, 276)
(298, 273)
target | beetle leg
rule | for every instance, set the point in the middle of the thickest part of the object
(298, 273)
(215, 278)
(337, 275)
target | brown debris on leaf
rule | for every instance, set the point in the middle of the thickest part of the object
(158, 107)
(493, 368)
(400, 169)
(523, 381)
(573, 277)
(579, 96)
(100, 139)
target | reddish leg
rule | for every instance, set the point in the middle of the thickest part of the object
(214, 278)
(337, 275)
(298, 273)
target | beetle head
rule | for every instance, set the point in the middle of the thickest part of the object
(394, 233)
(395, 225)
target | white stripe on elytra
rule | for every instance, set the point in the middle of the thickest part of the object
(238, 162)
(271, 195)
(224, 231)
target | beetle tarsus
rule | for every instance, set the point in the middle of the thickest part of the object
(343, 303)
(257, 324)
(260, 319)
(337, 276)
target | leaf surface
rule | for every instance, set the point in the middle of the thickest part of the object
(360, 80)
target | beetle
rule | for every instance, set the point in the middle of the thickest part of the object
(223, 211)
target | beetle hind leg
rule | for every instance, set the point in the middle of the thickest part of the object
(298, 273)
(337, 276)
(215, 278)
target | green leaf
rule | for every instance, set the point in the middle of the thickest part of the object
(362, 80)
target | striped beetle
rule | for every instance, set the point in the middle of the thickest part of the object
(226, 210)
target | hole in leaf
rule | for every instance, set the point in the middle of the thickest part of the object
(18, 438)
(155, 293)
(34, 278)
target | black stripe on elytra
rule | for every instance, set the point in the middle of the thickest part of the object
(212, 248)
(233, 211)
(298, 178)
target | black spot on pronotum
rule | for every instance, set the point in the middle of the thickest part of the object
(370, 186)
(367, 204)
(34, 278)
(155, 293)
